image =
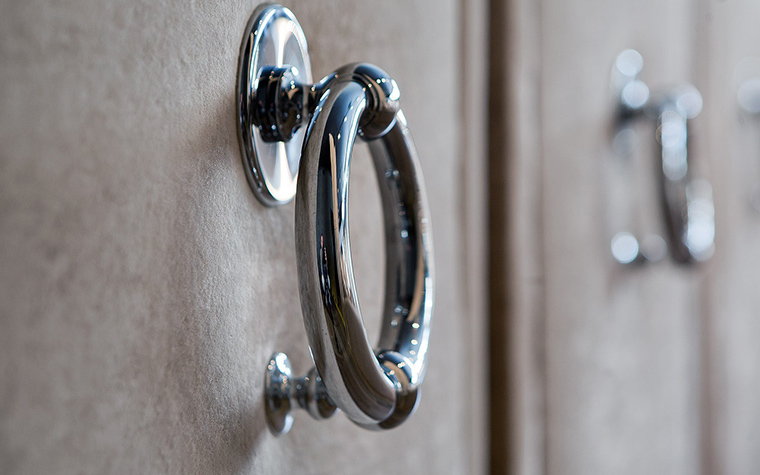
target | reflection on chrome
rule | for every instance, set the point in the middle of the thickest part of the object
(672, 137)
(689, 211)
(687, 203)
(273, 38)
(700, 229)
(653, 248)
(748, 97)
(376, 389)
(632, 93)
(625, 247)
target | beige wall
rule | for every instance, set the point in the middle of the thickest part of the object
(143, 287)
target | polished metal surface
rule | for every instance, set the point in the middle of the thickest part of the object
(632, 92)
(687, 203)
(374, 388)
(628, 249)
(632, 96)
(748, 97)
(273, 39)
(283, 391)
(378, 387)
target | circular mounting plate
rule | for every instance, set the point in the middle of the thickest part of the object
(273, 37)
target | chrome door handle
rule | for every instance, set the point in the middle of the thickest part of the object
(687, 203)
(375, 388)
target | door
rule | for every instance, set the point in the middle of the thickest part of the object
(731, 428)
(144, 287)
(618, 368)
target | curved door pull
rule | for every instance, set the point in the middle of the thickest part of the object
(687, 203)
(282, 117)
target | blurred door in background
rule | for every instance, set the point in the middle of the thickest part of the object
(728, 64)
(612, 368)
(143, 287)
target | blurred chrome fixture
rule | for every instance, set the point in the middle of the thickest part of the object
(283, 119)
(627, 249)
(632, 93)
(687, 203)
(748, 97)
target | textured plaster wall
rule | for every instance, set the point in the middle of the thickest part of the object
(142, 286)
